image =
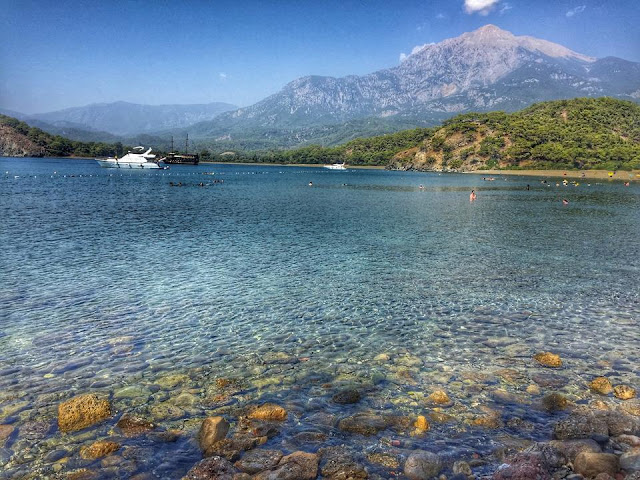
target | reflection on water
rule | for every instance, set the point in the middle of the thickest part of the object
(121, 284)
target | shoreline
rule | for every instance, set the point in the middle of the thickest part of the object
(318, 165)
(586, 174)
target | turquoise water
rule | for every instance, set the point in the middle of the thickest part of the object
(114, 279)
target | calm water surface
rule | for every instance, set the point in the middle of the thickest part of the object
(117, 283)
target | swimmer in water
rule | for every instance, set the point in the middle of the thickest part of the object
(311, 184)
(472, 196)
(565, 201)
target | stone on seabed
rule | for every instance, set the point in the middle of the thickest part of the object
(297, 466)
(211, 468)
(591, 464)
(548, 359)
(630, 461)
(601, 385)
(98, 449)
(258, 460)
(82, 411)
(269, 411)
(213, 430)
(422, 465)
(439, 397)
(624, 392)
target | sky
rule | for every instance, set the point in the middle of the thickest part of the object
(57, 54)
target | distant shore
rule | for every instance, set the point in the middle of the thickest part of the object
(587, 174)
(367, 167)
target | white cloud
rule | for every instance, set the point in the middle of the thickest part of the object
(441, 16)
(505, 7)
(416, 49)
(222, 76)
(483, 7)
(576, 10)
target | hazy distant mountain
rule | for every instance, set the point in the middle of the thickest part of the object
(122, 118)
(487, 69)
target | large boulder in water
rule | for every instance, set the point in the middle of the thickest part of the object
(212, 468)
(422, 465)
(82, 412)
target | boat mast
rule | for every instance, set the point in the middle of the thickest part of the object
(186, 148)
(171, 144)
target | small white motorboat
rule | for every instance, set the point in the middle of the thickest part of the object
(336, 166)
(132, 160)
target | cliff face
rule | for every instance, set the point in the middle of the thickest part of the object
(16, 144)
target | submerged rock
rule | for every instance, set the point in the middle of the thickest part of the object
(212, 468)
(346, 397)
(98, 449)
(422, 424)
(601, 385)
(81, 412)
(422, 465)
(548, 359)
(340, 465)
(523, 466)
(591, 464)
(581, 425)
(5, 432)
(132, 426)
(386, 460)
(213, 430)
(624, 392)
(363, 423)
(297, 466)
(572, 448)
(630, 461)
(268, 411)
(439, 397)
(554, 402)
(259, 460)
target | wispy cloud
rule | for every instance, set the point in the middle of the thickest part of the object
(441, 16)
(483, 7)
(222, 76)
(416, 49)
(575, 11)
(505, 7)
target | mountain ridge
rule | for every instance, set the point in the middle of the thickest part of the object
(483, 70)
(126, 118)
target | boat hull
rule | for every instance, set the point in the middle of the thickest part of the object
(128, 165)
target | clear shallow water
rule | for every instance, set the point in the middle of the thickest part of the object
(114, 279)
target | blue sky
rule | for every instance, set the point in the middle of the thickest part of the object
(61, 53)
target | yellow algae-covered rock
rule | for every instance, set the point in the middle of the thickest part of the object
(82, 412)
(98, 449)
(439, 397)
(548, 359)
(624, 392)
(601, 385)
(268, 411)
(421, 423)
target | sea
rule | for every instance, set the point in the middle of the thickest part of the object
(206, 290)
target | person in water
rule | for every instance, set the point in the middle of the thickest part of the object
(472, 196)
(565, 201)
(311, 184)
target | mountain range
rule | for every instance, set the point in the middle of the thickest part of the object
(124, 118)
(483, 70)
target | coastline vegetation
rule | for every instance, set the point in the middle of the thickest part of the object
(581, 133)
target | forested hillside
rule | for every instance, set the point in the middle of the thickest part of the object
(21, 140)
(580, 133)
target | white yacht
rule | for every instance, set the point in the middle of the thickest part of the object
(136, 159)
(336, 166)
